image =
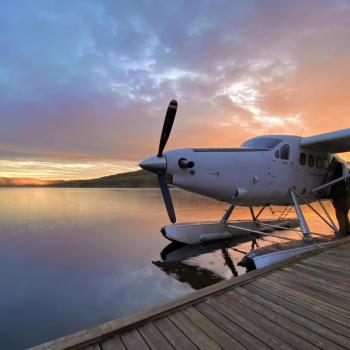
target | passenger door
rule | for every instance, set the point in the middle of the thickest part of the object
(281, 169)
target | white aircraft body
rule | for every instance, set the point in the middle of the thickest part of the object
(271, 169)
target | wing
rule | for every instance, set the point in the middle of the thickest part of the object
(332, 142)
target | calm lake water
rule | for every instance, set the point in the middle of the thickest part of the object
(73, 258)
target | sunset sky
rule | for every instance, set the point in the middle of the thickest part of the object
(84, 85)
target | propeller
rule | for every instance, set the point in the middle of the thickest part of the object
(168, 124)
(166, 197)
(158, 164)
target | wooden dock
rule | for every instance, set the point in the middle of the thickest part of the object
(301, 303)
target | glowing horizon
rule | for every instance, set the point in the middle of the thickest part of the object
(44, 170)
(84, 87)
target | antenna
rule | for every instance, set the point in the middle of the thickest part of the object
(302, 130)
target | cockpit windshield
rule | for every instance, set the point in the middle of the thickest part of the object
(262, 142)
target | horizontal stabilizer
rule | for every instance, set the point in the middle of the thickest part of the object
(332, 142)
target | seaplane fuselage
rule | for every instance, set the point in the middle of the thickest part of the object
(263, 170)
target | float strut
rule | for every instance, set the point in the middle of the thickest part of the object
(260, 211)
(227, 214)
(252, 213)
(328, 216)
(303, 224)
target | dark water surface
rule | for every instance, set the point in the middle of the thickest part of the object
(73, 258)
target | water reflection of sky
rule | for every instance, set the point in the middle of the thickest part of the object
(73, 258)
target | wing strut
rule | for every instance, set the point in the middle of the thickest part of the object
(330, 183)
(303, 224)
(227, 214)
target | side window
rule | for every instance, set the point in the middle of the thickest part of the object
(311, 161)
(302, 159)
(277, 154)
(285, 152)
(325, 164)
(318, 162)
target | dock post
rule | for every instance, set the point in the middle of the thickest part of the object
(303, 224)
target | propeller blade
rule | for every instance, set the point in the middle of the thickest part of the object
(167, 198)
(168, 124)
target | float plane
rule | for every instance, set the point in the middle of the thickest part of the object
(282, 170)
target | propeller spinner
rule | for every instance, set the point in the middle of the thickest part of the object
(158, 164)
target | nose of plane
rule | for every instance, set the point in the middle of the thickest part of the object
(155, 165)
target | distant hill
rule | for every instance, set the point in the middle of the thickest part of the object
(132, 179)
(23, 182)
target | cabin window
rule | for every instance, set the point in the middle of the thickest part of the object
(262, 142)
(318, 162)
(311, 161)
(302, 159)
(285, 152)
(277, 153)
(325, 164)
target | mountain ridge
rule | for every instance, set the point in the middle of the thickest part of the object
(133, 179)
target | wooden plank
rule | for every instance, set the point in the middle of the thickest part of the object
(314, 283)
(331, 263)
(338, 258)
(328, 273)
(299, 308)
(330, 295)
(327, 268)
(338, 304)
(345, 246)
(332, 259)
(343, 289)
(291, 332)
(153, 337)
(320, 296)
(343, 256)
(246, 339)
(325, 274)
(82, 338)
(337, 253)
(133, 340)
(304, 328)
(92, 347)
(198, 337)
(320, 275)
(300, 299)
(249, 324)
(294, 293)
(214, 332)
(173, 334)
(114, 343)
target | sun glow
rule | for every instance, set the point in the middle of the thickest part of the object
(45, 170)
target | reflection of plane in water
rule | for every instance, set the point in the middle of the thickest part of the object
(197, 277)
(176, 261)
(176, 251)
(177, 258)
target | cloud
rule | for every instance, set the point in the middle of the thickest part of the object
(89, 81)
